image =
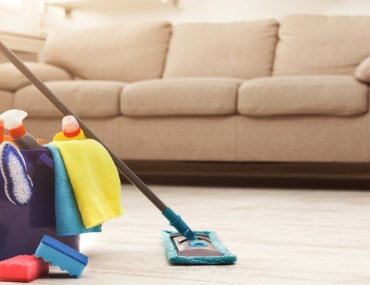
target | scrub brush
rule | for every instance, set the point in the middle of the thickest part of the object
(18, 185)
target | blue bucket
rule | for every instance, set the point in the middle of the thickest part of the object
(22, 227)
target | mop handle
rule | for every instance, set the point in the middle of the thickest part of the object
(174, 219)
(122, 167)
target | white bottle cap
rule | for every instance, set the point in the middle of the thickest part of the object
(70, 125)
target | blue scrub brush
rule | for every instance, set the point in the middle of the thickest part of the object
(18, 185)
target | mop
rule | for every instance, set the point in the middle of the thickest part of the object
(182, 247)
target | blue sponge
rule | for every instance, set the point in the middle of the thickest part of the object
(173, 257)
(59, 254)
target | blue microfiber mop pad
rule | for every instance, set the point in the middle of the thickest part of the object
(67, 214)
(173, 257)
(18, 185)
(59, 254)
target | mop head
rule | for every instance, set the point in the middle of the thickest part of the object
(18, 185)
(173, 253)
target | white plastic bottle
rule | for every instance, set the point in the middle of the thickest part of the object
(71, 130)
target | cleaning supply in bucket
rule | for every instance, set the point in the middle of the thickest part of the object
(67, 215)
(23, 268)
(13, 122)
(94, 178)
(71, 130)
(60, 254)
(18, 184)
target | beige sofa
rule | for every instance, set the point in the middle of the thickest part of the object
(245, 91)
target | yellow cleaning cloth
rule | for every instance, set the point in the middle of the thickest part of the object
(94, 178)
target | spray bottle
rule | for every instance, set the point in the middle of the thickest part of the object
(13, 122)
(71, 130)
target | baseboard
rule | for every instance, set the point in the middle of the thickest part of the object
(256, 174)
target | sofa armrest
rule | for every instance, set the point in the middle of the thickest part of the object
(11, 79)
(362, 72)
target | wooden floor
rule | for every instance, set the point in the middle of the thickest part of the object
(280, 237)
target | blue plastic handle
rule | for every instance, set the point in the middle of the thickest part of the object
(179, 224)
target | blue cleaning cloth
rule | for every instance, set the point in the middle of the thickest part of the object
(68, 217)
(173, 257)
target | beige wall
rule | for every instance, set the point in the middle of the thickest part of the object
(25, 20)
(107, 12)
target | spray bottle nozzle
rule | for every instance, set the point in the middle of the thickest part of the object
(13, 118)
(13, 122)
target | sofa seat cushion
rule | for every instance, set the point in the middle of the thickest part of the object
(335, 95)
(183, 96)
(239, 50)
(88, 99)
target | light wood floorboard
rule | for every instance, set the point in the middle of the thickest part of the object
(280, 237)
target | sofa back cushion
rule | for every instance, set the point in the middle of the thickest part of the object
(128, 53)
(240, 50)
(311, 44)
